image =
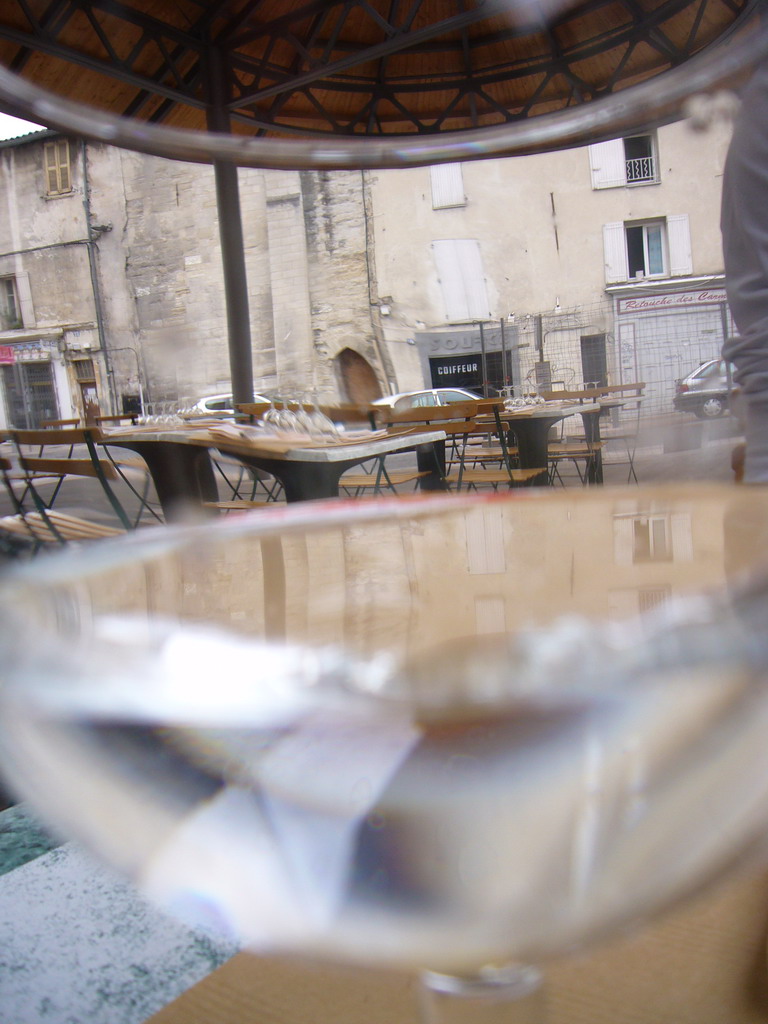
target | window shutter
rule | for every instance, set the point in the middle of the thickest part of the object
(62, 152)
(485, 541)
(623, 540)
(57, 173)
(679, 242)
(24, 294)
(608, 164)
(615, 251)
(460, 270)
(490, 615)
(447, 186)
(682, 538)
(51, 168)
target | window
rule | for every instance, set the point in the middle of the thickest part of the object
(10, 316)
(645, 249)
(652, 536)
(447, 186)
(84, 369)
(427, 398)
(655, 248)
(628, 161)
(651, 539)
(57, 170)
(639, 160)
(649, 598)
(460, 272)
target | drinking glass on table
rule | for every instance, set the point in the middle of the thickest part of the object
(348, 770)
(320, 426)
(276, 419)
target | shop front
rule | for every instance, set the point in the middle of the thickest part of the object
(42, 379)
(662, 335)
(479, 358)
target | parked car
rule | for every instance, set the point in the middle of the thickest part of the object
(705, 392)
(432, 396)
(220, 405)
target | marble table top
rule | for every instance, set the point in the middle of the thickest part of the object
(78, 944)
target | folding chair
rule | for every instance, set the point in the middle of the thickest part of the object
(621, 441)
(40, 475)
(245, 486)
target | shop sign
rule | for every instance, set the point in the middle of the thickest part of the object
(35, 353)
(7, 355)
(456, 371)
(672, 300)
(453, 370)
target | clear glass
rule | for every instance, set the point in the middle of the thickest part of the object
(512, 994)
(440, 734)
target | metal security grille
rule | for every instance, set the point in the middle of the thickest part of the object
(14, 397)
(30, 396)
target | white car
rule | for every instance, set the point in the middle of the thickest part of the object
(220, 405)
(432, 396)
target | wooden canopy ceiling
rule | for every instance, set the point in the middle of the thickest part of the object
(359, 82)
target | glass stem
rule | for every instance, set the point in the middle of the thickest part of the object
(509, 994)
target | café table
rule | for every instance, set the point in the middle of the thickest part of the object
(531, 424)
(81, 945)
(179, 462)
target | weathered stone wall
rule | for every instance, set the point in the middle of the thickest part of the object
(43, 241)
(304, 237)
(342, 315)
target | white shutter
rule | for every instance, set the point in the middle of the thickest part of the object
(460, 270)
(24, 295)
(615, 251)
(682, 538)
(474, 279)
(608, 164)
(679, 242)
(447, 186)
(485, 541)
(623, 540)
(490, 615)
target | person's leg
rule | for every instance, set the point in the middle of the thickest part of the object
(744, 224)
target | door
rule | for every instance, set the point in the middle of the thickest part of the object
(357, 378)
(594, 365)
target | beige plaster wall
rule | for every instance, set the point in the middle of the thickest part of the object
(539, 224)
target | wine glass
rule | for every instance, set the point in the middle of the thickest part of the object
(272, 419)
(461, 735)
(320, 426)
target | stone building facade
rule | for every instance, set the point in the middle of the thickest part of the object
(596, 263)
(600, 262)
(114, 293)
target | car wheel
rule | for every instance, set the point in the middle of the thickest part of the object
(711, 409)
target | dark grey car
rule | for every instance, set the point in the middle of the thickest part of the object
(705, 392)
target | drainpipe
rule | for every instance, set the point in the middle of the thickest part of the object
(386, 365)
(91, 237)
(128, 348)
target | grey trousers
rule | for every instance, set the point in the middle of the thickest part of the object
(744, 225)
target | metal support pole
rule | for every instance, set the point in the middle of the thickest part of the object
(539, 336)
(483, 361)
(505, 374)
(232, 247)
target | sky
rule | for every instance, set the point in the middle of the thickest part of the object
(10, 127)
